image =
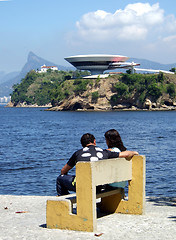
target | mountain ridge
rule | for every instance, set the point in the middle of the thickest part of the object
(35, 62)
(144, 63)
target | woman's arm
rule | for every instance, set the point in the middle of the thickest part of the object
(127, 154)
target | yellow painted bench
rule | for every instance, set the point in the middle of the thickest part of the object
(88, 176)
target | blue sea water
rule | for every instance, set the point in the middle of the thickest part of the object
(35, 144)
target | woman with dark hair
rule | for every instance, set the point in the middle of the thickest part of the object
(114, 140)
(115, 144)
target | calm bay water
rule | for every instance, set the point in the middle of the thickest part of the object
(35, 144)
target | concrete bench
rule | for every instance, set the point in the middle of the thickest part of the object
(88, 176)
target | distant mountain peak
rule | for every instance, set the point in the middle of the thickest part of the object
(35, 62)
(33, 57)
(31, 54)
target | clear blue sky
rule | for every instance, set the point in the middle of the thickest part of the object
(56, 29)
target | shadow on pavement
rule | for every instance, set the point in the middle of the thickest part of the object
(163, 201)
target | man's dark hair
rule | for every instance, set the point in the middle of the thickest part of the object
(114, 139)
(86, 139)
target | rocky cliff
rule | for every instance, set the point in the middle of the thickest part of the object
(105, 89)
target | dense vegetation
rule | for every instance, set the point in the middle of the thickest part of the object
(49, 87)
(55, 86)
(143, 86)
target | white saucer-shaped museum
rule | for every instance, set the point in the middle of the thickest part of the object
(96, 63)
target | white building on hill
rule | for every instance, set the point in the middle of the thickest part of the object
(44, 68)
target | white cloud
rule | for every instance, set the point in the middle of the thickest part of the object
(132, 32)
(136, 21)
(139, 30)
(170, 23)
(170, 39)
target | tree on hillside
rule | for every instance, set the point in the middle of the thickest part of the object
(173, 70)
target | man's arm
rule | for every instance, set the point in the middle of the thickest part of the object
(127, 154)
(69, 165)
(65, 169)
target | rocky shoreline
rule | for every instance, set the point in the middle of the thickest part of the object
(24, 105)
(133, 108)
(103, 104)
(119, 107)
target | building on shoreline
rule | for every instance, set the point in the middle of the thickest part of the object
(5, 99)
(98, 63)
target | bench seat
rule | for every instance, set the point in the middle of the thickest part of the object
(106, 193)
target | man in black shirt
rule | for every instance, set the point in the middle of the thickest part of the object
(89, 152)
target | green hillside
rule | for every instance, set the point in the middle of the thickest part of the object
(55, 87)
(43, 88)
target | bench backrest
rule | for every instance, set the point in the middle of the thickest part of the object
(107, 171)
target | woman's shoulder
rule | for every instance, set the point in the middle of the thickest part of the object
(115, 149)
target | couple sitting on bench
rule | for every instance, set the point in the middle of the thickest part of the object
(90, 152)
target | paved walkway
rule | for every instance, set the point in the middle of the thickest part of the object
(159, 221)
